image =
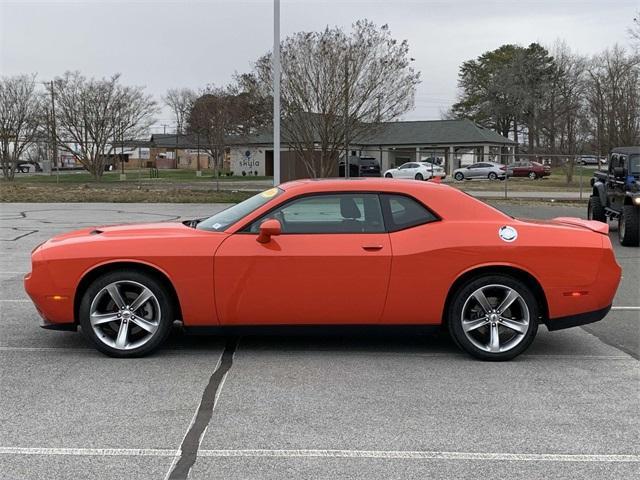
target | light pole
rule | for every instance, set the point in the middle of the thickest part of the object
(347, 165)
(276, 92)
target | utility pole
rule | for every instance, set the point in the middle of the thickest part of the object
(198, 171)
(346, 117)
(54, 143)
(276, 92)
(122, 174)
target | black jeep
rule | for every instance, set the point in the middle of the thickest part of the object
(616, 194)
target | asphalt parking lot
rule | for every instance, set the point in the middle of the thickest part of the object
(309, 407)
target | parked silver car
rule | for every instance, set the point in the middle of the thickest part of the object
(490, 170)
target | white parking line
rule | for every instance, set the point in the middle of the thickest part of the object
(378, 454)
(46, 349)
(90, 452)
(625, 308)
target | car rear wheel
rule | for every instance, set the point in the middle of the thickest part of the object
(595, 210)
(629, 226)
(459, 176)
(532, 175)
(419, 176)
(388, 175)
(493, 317)
(126, 313)
(493, 175)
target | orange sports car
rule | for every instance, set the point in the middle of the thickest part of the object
(330, 252)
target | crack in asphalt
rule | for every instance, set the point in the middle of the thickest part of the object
(191, 443)
(168, 218)
(18, 229)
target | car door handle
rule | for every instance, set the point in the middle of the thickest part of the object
(371, 248)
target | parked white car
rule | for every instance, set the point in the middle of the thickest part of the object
(415, 170)
(434, 170)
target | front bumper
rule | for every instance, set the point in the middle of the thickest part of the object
(577, 320)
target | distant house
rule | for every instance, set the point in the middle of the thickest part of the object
(450, 142)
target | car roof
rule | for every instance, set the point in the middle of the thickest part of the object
(627, 150)
(361, 184)
(446, 201)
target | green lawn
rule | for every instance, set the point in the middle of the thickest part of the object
(133, 176)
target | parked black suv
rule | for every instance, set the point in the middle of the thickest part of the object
(361, 167)
(616, 194)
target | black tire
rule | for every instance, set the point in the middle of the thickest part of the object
(459, 176)
(388, 175)
(595, 210)
(493, 175)
(533, 176)
(629, 226)
(166, 311)
(419, 176)
(464, 292)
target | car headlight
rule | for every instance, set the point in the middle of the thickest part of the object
(636, 200)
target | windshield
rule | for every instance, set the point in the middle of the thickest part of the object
(224, 219)
(634, 165)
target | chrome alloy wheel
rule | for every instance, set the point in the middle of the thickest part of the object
(125, 315)
(495, 318)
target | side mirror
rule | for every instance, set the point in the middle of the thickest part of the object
(618, 172)
(269, 228)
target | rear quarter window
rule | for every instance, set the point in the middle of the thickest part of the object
(403, 212)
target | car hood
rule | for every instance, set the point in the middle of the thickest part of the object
(135, 231)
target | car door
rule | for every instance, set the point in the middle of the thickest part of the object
(523, 169)
(474, 170)
(406, 170)
(419, 261)
(330, 265)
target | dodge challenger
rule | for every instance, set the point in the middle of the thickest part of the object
(327, 253)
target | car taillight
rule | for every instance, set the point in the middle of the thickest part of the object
(502, 167)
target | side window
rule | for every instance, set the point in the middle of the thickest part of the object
(338, 213)
(614, 162)
(404, 212)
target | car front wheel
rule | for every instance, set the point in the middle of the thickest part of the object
(492, 176)
(629, 226)
(388, 175)
(532, 175)
(595, 210)
(493, 317)
(459, 176)
(126, 313)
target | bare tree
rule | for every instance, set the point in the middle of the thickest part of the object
(93, 116)
(20, 110)
(613, 96)
(180, 101)
(563, 107)
(634, 30)
(338, 86)
(220, 114)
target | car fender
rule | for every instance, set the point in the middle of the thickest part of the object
(600, 190)
(487, 265)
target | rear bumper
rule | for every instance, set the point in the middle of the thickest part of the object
(577, 320)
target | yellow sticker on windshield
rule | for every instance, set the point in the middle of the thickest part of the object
(270, 193)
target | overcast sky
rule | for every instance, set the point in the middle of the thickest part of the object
(163, 44)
